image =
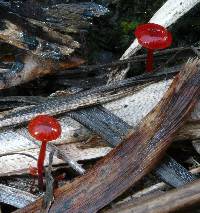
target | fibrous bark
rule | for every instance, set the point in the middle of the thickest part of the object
(136, 155)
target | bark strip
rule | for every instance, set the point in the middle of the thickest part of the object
(136, 156)
(179, 199)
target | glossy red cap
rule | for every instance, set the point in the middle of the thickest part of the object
(44, 128)
(153, 36)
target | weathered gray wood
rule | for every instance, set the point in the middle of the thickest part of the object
(135, 156)
(15, 197)
(174, 200)
(47, 34)
(47, 31)
(131, 109)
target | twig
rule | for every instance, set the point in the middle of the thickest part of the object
(48, 196)
(136, 155)
(169, 13)
(62, 155)
(195, 50)
(18, 153)
(178, 199)
(169, 60)
(132, 59)
(148, 192)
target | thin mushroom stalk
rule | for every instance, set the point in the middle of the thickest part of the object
(152, 36)
(41, 163)
(43, 128)
(149, 65)
(168, 14)
(136, 156)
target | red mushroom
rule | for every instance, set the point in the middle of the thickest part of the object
(43, 128)
(152, 36)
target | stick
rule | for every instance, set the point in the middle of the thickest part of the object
(171, 201)
(168, 14)
(136, 155)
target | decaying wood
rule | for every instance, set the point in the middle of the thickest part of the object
(173, 173)
(58, 105)
(149, 191)
(183, 52)
(179, 199)
(131, 109)
(136, 155)
(144, 193)
(31, 67)
(35, 27)
(15, 197)
(113, 130)
(45, 34)
(169, 13)
(13, 34)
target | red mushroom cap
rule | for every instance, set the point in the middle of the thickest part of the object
(44, 128)
(153, 36)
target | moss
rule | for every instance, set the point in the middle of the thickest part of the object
(115, 32)
(128, 26)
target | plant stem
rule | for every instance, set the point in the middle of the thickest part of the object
(149, 62)
(40, 164)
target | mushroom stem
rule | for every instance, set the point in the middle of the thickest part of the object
(40, 164)
(149, 62)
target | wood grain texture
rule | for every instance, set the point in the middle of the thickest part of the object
(144, 195)
(136, 155)
(171, 201)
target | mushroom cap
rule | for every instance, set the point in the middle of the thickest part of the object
(44, 128)
(153, 36)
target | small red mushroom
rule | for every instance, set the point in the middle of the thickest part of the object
(152, 36)
(43, 128)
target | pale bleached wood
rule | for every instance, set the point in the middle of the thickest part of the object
(131, 109)
(168, 14)
(15, 197)
(136, 156)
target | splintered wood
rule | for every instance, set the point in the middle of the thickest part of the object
(136, 155)
(139, 116)
(132, 109)
(46, 41)
(168, 14)
(172, 201)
